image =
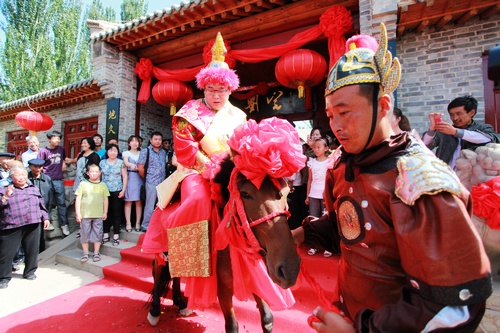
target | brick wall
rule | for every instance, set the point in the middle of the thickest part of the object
(114, 70)
(62, 115)
(155, 117)
(438, 66)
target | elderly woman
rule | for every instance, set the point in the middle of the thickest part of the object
(201, 130)
(21, 211)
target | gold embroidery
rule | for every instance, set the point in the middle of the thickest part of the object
(189, 250)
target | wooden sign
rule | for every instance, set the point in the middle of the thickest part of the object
(278, 100)
(112, 119)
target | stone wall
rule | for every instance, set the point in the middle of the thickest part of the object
(439, 66)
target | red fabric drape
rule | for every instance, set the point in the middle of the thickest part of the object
(259, 55)
(334, 23)
(145, 71)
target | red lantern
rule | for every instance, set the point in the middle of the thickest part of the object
(301, 69)
(172, 93)
(34, 121)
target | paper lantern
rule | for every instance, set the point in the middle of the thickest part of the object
(301, 68)
(172, 93)
(34, 121)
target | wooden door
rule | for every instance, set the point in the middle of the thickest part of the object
(76, 130)
(491, 98)
(17, 142)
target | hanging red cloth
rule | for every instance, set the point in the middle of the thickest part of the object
(335, 22)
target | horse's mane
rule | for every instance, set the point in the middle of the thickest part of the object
(223, 176)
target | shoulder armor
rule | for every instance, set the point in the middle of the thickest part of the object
(420, 173)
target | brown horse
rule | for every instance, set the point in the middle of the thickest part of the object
(265, 211)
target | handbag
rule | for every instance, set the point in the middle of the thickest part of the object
(143, 186)
(143, 192)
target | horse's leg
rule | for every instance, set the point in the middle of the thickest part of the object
(266, 316)
(178, 297)
(225, 290)
(161, 278)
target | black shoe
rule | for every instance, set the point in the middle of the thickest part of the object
(31, 277)
(15, 268)
(143, 230)
(4, 284)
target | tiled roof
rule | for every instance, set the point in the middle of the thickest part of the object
(78, 92)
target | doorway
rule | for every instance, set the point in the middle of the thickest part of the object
(16, 142)
(76, 130)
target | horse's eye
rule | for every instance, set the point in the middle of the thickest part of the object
(245, 195)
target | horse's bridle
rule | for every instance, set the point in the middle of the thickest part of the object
(269, 217)
(241, 216)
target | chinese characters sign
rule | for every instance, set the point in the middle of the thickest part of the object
(278, 100)
(112, 119)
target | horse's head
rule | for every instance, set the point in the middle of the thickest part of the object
(266, 212)
(264, 153)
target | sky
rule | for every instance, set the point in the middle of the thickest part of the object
(153, 5)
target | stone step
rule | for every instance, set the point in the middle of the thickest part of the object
(109, 249)
(110, 254)
(135, 266)
(72, 258)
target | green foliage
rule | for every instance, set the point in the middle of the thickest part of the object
(132, 9)
(98, 12)
(47, 42)
(45, 46)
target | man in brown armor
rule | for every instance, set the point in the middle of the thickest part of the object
(411, 260)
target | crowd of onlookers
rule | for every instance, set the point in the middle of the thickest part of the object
(107, 184)
(112, 187)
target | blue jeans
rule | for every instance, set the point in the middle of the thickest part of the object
(61, 201)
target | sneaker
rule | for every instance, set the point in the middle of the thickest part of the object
(327, 254)
(50, 228)
(65, 230)
(312, 252)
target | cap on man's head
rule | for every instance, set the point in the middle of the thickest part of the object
(36, 162)
(364, 62)
(6, 154)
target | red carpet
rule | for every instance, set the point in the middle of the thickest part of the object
(116, 303)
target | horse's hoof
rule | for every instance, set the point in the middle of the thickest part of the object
(186, 312)
(153, 321)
